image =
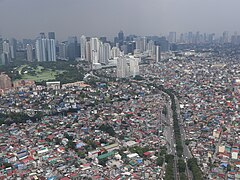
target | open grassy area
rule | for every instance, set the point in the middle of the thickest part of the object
(40, 73)
(43, 76)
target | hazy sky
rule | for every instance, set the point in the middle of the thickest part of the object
(26, 18)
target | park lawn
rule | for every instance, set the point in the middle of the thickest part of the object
(43, 76)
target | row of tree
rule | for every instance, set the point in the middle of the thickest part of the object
(196, 171)
(192, 163)
(169, 175)
(178, 140)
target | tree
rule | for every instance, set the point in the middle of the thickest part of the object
(108, 129)
(71, 144)
(183, 176)
(193, 166)
(160, 161)
(81, 154)
(181, 165)
(102, 161)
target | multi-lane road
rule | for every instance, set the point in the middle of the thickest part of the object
(186, 152)
(169, 134)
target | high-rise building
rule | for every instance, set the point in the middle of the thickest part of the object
(1, 51)
(121, 36)
(1, 45)
(150, 48)
(6, 52)
(5, 81)
(94, 43)
(101, 52)
(107, 52)
(141, 44)
(144, 44)
(103, 39)
(13, 48)
(130, 47)
(115, 52)
(51, 35)
(72, 48)
(158, 54)
(42, 35)
(83, 41)
(104, 53)
(225, 37)
(63, 51)
(162, 41)
(134, 66)
(45, 50)
(29, 53)
(88, 51)
(172, 37)
(122, 67)
(28, 41)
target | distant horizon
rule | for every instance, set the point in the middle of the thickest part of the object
(217, 35)
(26, 18)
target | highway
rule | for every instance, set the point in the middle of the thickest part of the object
(186, 152)
(169, 134)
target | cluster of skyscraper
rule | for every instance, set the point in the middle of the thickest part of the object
(100, 51)
(127, 66)
(199, 38)
(45, 48)
(7, 50)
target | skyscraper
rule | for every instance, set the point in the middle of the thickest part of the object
(51, 35)
(1, 45)
(141, 43)
(122, 67)
(72, 48)
(103, 39)
(120, 38)
(94, 43)
(6, 52)
(107, 52)
(83, 41)
(134, 66)
(63, 51)
(158, 54)
(225, 37)
(29, 53)
(101, 58)
(45, 50)
(42, 35)
(104, 53)
(1, 51)
(172, 37)
(13, 48)
(150, 48)
(88, 51)
(115, 52)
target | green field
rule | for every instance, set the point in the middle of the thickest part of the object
(40, 73)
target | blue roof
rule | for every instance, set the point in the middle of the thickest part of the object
(224, 165)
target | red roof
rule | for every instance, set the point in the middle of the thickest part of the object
(30, 158)
(65, 178)
(147, 153)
